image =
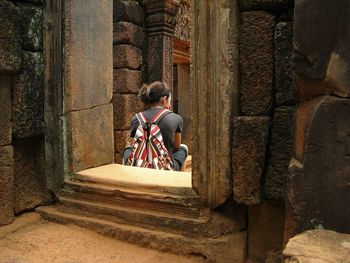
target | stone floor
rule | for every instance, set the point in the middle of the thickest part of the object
(31, 240)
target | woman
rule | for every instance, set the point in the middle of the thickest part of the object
(156, 97)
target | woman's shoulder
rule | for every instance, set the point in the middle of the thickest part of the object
(174, 116)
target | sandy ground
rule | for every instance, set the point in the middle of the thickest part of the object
(32, 240)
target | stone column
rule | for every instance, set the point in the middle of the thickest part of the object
(160, 27)
(10, 63)
(214, 82)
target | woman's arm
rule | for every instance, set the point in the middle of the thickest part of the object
(177, 141)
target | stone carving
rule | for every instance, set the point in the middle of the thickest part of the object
(183, 21)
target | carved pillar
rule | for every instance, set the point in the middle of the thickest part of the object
(160, 27)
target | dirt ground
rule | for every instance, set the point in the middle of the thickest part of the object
(32, 240)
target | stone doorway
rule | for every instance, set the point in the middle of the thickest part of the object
(80, 128)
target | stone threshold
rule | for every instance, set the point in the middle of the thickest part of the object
(226, 248)
(135, 177)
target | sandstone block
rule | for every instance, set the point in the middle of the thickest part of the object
(88, 54)
(284, 83)
(129, 11)
(321, 53)
(126, 81)
(28, 97)
(281, 152)
(6, 185)
(126, 56)
(125, 107)
(10, 43)
(318, 246)
(265, 4)
(318, 186)
(265, 220)
(31, 26)
(121, 139)
(250, 136)
(6, 110)
(91, 138)
(29, 173)
(127, 33)
(256, 60)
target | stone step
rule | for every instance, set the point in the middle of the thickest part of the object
(226, 248)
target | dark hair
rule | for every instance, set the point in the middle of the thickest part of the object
(154, 92)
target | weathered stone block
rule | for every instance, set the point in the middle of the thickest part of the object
(6, 185)
(91, 137)
(265, 4)
(321, 53)
(256, 60)
(6, 110)
(126, 81)
(30, 177)
(284, 83)
(250, 136)
(125, 56)
(127, 33)
(129, 11)
(318, 246)
(28, 97)
(88, 54)
(318, 186)
(281, 152)
(10, 43)
(121, 139)
(125, 107)
(265, 220)
(31, 26)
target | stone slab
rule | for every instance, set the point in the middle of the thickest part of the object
(272, 5)
(127, 33)
(127, 56)
(284, 83)
(126, 81)
(318, 246)
(321, 54)
(28, 97)
(318, 186)
(10, 43)
(250, 137)
(88, 54)
(129, 11)
(31, 26)
(6, 110)
(256, 59)
(125, 107)
(6, 185)
(90, 137)
(30, 177)
(280, 152)
(265, 220)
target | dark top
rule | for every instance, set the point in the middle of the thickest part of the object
(169, 125)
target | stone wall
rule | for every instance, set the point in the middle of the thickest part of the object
(22, 173)
(318, 193)
(129, 68)
(263, 133)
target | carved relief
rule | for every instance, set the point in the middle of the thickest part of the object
(183, 21)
